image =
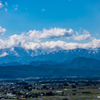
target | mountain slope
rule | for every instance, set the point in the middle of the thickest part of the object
(37, 63)
(82, 62)
(31, 71)
(21, 55)
(11, 64)
(80, 66)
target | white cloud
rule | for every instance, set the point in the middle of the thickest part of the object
(27, 40)
(22, 41)
(16, 40)
(1, 5)
(6, 9)
(43, 10)
(2, 30)
(52, 33)
(85, 32)
(76, 33)
(34, 35)
(4, 54)
(16, 7)
(37, 36)
(95, 43)
(82, 37)
(60, 45)
(55, 33)
(97, 34)
(6, 3)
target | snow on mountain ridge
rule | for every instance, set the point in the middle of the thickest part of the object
(21, 52)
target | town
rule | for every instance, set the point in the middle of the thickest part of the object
(50, 89)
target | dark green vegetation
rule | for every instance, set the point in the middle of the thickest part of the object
(37, 63)
(11, 64)
(80, 67)
(31, 71)
(85, 63)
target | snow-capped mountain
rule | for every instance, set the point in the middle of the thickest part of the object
(21, 55)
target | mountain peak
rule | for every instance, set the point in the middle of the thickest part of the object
(21, 55)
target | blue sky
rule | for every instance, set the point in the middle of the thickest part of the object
(82, 16)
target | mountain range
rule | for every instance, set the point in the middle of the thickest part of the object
(18, 62)
(79, 67)
(23, 56)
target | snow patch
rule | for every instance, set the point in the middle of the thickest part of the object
(4, 54)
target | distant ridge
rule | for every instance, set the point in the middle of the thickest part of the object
(83, 62)
(80, 66)
(11, 64)
(37, 63)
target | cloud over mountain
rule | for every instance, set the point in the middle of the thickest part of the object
(37, 36)
(33, 40)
